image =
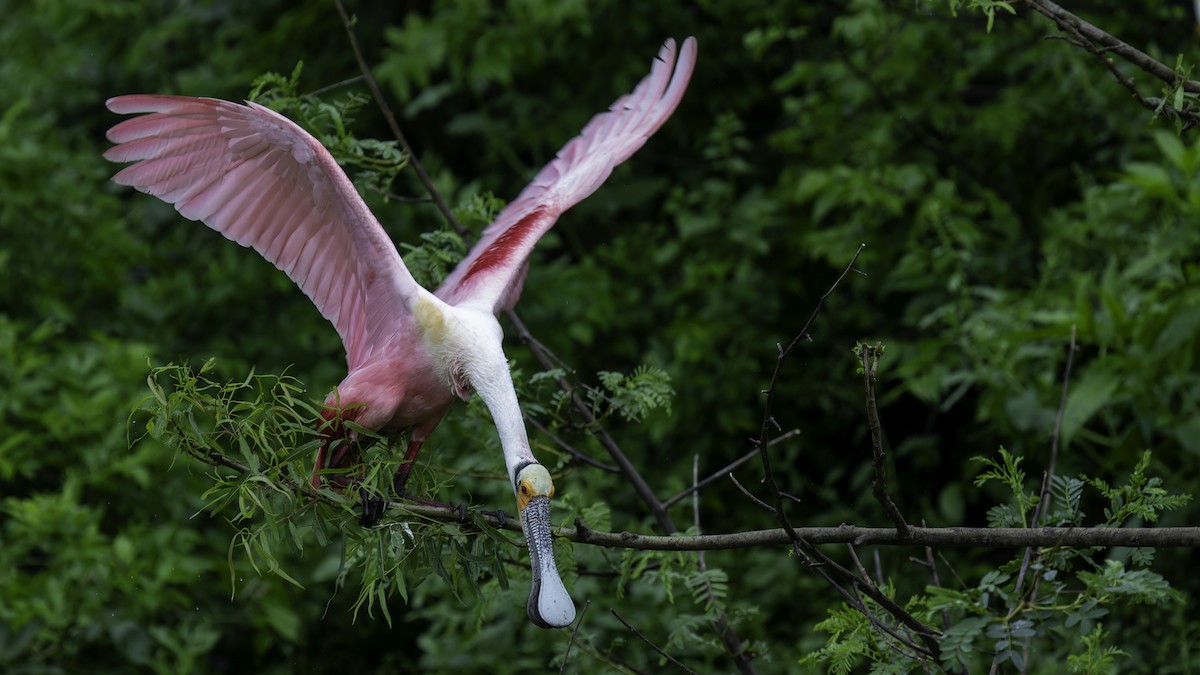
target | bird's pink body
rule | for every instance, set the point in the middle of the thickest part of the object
(400, 389)
(262, 181)
(394, 392)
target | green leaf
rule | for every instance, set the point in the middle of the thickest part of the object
(1089, 394)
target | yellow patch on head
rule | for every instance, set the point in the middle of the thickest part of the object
(533, 481)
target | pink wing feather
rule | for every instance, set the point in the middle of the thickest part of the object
(492, 273)
(262, 181)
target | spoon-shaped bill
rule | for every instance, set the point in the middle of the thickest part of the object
(550, 605)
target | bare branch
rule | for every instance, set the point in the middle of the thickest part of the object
(768, 421)
(1092, 34)
(1047, 497)
(757, 502)
(1101, 44)
(886, 629)
(571, 641)
(570, 449)
(950, 537)
(870, 363)
(675, 662)
(935, 581)
(862, 570)
(348, 24)
(728, 468)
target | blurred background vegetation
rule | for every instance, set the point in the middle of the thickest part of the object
(1007, 188)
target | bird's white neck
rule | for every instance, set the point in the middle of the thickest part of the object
(466, 342)
(493, 383)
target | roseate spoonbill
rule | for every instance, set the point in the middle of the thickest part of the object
(262, 181)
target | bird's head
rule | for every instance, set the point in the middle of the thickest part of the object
(550, 605)
(533, 480)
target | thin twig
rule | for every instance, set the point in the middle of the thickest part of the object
(789, 496)
(870, 363)
(569, 449)
(862, 571)
(719, 473)
(348, 24)
(757, 502)
(336, 85)
(579, 622)
(768, 421)
(701, 562)
(675, 662)
(1047, 496)
(882, 627)
(935, 581)
(614, 663)
(392, 196)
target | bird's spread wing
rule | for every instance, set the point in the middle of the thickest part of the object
(492, 273)
(262, 181)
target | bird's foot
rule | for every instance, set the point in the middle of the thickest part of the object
(373, 508)
(374, 505)
(460, 507)
(500, 515)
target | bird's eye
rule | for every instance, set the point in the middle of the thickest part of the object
(524, 489)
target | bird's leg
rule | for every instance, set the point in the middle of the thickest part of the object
(415, 440)
(401, 480)
(341, 450)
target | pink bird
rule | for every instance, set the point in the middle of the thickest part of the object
(262, 181)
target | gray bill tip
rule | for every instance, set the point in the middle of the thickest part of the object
(550, 605)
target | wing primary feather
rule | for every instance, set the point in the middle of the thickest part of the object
(492, 273)
(259, 179)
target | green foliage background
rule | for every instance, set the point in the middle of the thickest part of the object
(1006, 187)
